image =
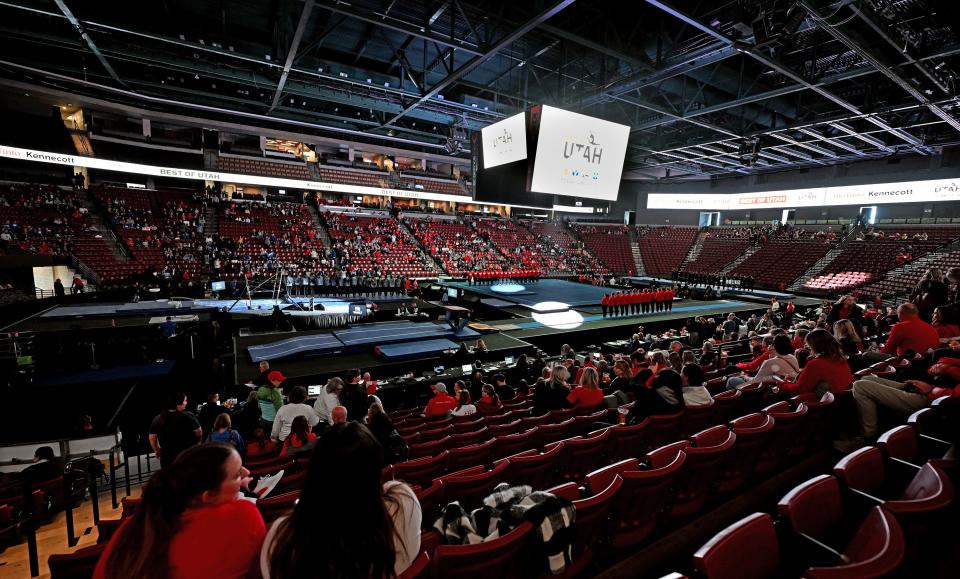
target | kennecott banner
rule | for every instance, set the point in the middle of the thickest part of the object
(904, 192)
(136, 168)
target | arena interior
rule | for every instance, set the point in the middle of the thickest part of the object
(479, 289)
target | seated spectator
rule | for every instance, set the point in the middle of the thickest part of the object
(247, 419)
(209, 412)
(909, 334)
(826, 368)
(523, 389)
(339, 415)
(489, 400)
(394, 447)
(289, 411)
(846, 308)
(460, 386)
(845, 333)
(192, 522)
(46, 466)
(946, 327)
(328, 400)
(588, 395)
(441, 404)
(663, 396)
(260, 444)
(223, 432)
(902, 397)
(300, 438)
(504, 390)
(464, 408)
(694, 392)
(552, 394)
(780, 363)
(621, 380)
(370, 530)
(708, 357)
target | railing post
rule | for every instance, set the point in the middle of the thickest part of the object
(113, 481)
(32, 553)
(95, 499)
(68, 511)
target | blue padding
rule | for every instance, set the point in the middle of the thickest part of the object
(419, 349)
(389, 332)
(316, 345)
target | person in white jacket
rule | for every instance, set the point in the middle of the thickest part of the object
(328, 400)
(781, 363)
(295, 407)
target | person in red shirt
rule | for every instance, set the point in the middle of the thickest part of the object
(669, 295)
(192, 522)
(489, 401)
(826, 368)
(944, 325)
(659, 298)
(604, 303)
(588, 394)
(645, 301)
(911, 333)
(441, 403)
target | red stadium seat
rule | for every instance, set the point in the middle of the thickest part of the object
(533, 468)
(513, 443)
(753, 433)
(628, 441)
(696, 418)
(471, 486)
(501, 558)
(722, 557)
(663, 429)
(418, 569)
(421, 471)
(474, 454)
(590, 524)
(582, 455)
(429, 448)
(875, 551)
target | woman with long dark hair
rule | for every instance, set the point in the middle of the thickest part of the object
(346, 524)
(826, 367)
(192, 522)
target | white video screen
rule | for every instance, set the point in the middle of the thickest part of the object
(504, 141)
(579, 156)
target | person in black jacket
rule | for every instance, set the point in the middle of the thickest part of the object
(354, 396)
(552, 394)
(846, 308)
(930, 292)
(664, 396)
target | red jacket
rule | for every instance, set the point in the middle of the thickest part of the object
(913, 334)
(440, 405)
(754, 365)
(204, 535)
(946, 367)
(833, 370)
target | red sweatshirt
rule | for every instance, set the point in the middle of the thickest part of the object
(833, 370)
(911, 333)
(218, 541)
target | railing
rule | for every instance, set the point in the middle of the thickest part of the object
(41, 293)
(72, 451)
(84, 270)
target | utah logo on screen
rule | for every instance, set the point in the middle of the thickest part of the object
(590, 152)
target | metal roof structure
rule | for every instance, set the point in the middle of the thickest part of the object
(708, 88)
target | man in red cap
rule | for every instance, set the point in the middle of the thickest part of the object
(441, 403)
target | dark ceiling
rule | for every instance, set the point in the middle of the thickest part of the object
(709, 88)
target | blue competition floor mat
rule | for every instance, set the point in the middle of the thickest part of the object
(317, 345)
(419, 349)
